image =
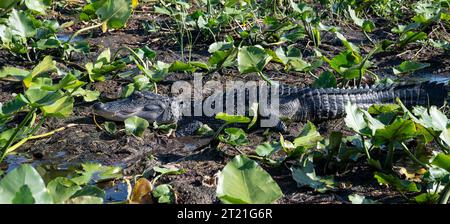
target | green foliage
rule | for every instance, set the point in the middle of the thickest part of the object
(232, 118)
(110, 127)
(168, 170)
(94, 172)
(305, 176)
(164, 193)
(252, 59)
(366, 25)
(61, 189)
(136, 126)
(40, 98)
(24, 33)
(103, 66)
(400, 130)
(326, 80)
(234, 137)
(255, 36)
(243, 181)
(442, 160)
(114, 13)
(308, 138)
(24, 185)
(409, 67)
(400, 185)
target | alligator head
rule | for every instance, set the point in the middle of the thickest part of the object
(146, 105)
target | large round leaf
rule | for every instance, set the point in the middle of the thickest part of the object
(36, 5)
(243, 181)
(115, 13)
(24, 185)
(252, 59)
(135, 126)
(21, 24)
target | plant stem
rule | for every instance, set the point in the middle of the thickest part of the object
(443, 199)
(365, 147)
(143, 64)
(83, 30)
(373, 74)
(41, 122)
(22, 124)
(182, 44)
(368, 37)
(265, 78)
(389, 157)
(315, 76)
(363, 62)
(209, 8)
(405, 42)
(436, 138)
(220, 130)
(409, 153)
(22, 141)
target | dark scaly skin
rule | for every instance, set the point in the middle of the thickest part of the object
(295, 104)
(326, 104)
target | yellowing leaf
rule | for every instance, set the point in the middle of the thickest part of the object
(61, 108)
(46, 65)
(134, 3)
(104, 27)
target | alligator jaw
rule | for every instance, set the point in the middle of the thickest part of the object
(146, 105)
(100, 109)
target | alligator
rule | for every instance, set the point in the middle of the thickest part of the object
(295, 104)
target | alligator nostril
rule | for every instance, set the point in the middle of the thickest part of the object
(98, 107)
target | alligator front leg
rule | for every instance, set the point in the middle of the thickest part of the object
(188, 127)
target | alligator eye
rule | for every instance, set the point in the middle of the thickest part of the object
(137, 95)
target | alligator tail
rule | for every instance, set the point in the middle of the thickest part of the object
(326, 104)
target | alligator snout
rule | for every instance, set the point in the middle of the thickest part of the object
(146, 105)
(102, 110)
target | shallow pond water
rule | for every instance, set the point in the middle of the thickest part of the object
(115, 190)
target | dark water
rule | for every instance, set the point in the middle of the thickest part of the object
(65, 37)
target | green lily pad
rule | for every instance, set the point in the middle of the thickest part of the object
(409, 66)
(252, 59)
(306, 177)
(325, 80)
(399, 184)
(243, 181)
(114, 13)
(24, 185)
(234, 137)
(164, 194)
(136, 126)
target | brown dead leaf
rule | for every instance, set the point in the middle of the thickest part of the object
(408, 173)
(142, 192)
